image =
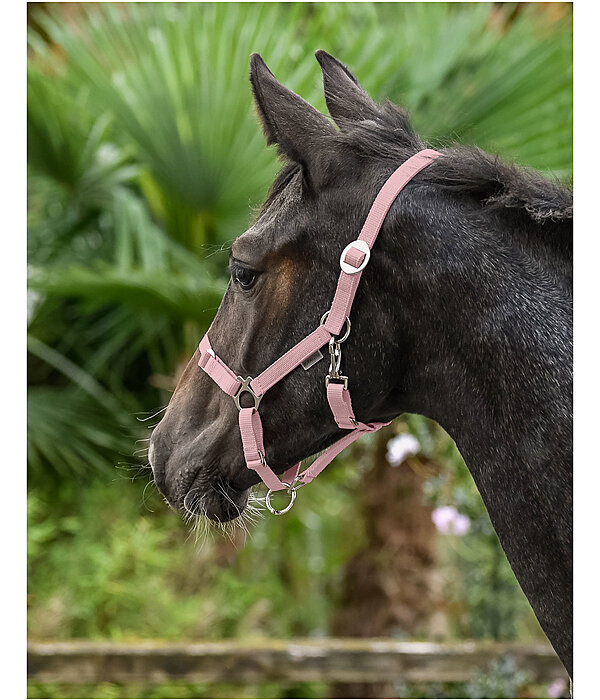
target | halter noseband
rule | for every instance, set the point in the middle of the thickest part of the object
(353, 260)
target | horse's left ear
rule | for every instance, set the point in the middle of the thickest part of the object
(298, 129)
(345, 98)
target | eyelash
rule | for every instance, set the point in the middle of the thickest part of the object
(238, 273)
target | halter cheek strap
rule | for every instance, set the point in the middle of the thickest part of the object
(353, 260)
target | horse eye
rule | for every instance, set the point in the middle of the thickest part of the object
(244, 277)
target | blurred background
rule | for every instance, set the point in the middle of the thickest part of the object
(145, 160)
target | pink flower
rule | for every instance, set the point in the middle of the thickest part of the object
(450, 522)
(557, 688)
(401, 447)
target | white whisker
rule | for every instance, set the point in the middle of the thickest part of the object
(150, 483)
(160, 410)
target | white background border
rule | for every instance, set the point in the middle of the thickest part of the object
(587, 347)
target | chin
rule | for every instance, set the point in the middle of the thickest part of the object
(219, 502)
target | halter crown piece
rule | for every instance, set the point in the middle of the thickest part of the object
(353, 260)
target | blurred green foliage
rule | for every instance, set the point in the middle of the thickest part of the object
(145, 160)
(111, 562)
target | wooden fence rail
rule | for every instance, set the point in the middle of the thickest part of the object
(330, 660)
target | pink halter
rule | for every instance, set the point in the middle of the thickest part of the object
(353, 260)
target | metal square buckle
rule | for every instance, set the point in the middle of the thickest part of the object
(342, 379)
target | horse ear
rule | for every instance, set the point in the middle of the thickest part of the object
(345, 98)
(294, 125)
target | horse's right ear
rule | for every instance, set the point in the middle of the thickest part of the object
(346, 100)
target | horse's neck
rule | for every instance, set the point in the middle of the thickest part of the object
(491, 362)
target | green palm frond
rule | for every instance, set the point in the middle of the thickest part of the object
(468, 74)
(133, 307)
(77, 428)
(179, 297)
(68, 142)
(74, 172)
(80, 378)
(69, 436)
(59, 126)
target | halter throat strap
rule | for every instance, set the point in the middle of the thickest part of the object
(353, 260)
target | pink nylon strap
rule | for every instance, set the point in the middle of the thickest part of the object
(290, 360)
(254, 451)
(253, 446)
(341, 405)
(216, 369)
(252, 437)
(333, 451)
(348, 283)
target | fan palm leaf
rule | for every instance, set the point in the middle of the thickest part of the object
(175, 76)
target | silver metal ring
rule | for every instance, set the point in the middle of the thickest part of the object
(363, 246)
(245, 389)
(291, 490)
(348, 327)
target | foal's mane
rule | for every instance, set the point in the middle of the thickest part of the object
(499, 184)
(462, 169)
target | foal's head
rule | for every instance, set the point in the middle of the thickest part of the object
(283, 274)
(463, 235)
